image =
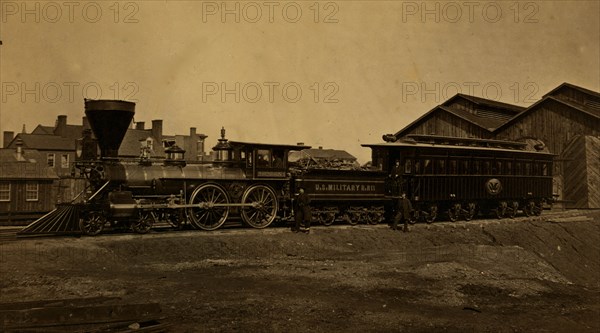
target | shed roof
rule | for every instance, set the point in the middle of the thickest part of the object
(572, 86)
(551, 99)
(486, 103)
(480, 120)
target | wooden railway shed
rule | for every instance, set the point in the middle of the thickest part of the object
(566, 120)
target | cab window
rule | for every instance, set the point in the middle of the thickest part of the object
(263, 158)
(278, 155)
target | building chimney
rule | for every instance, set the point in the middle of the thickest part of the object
(8, 137)
(157, 129)
(86, 124)
(200, 150)
(320, 147)
(19, 145)
(192, 132)
(61, 126)
(140, 125)
(300, 144)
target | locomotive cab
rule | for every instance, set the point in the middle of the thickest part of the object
(264, 160)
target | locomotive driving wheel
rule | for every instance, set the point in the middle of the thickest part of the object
(92, 224)
(264, 206)
(208, 214)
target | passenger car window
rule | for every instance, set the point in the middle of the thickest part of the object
(408, 166)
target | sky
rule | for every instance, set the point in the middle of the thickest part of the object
(336, 74)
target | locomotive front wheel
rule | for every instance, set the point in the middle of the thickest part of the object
(264, 206)
(92, 224)
(144, 223)
(431, 214)
(206, 216)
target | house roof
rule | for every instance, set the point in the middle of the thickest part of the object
(72, 131)
(43, 142)
(486, 103)
(40, 129)
(31, 166)
(131, 143)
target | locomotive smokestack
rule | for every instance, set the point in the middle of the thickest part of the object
(109, 119)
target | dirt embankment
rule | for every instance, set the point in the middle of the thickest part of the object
(534, 275)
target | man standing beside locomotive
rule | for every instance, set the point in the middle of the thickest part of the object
(302, 211)
(395, 178)
(403, 209)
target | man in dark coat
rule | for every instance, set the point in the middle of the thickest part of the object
(395, 176)
(403, 209)
(302, 211)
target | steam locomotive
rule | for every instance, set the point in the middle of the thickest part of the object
(256, 182)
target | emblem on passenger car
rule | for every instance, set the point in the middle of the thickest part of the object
(493, 186)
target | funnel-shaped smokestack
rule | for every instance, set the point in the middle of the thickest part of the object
(109, 119)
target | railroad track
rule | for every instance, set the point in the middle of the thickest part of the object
(8, 234)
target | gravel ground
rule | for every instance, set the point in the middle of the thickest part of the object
(523, 275)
